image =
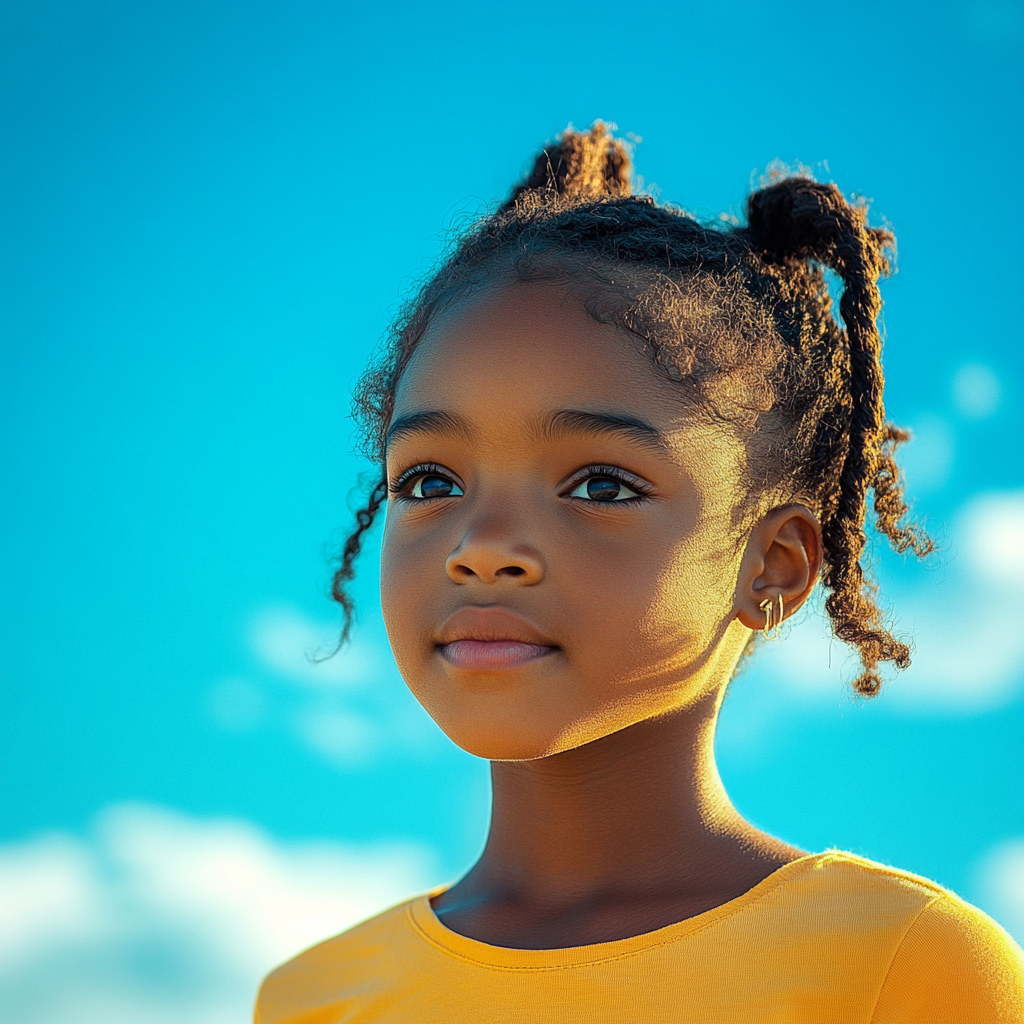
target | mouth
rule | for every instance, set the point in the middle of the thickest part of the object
(489, 639)
(491, 655)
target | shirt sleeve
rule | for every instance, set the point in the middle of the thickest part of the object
(955, 965)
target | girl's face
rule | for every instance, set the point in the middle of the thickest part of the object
(560, 555)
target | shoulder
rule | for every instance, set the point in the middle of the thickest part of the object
(949, 961)
(954, 964)
(326, 974)
(854, 892)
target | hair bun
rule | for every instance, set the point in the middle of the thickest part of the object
(591, 163)
(798, 218)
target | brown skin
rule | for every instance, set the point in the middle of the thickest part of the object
(609, 817)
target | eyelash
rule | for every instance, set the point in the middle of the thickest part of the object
(634, 483)
(421, 469)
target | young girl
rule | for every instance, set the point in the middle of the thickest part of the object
(616, 444)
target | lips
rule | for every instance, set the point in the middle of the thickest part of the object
(491, 655)
(488, 639)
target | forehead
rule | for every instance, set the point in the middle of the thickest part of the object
(531, 348)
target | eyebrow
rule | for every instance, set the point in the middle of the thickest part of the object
(578, 421)
(552, 426)
(428, 422)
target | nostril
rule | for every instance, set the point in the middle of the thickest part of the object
(463, 569)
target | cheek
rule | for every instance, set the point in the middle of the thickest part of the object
(407, 579)
(696, 589)
(660, 613)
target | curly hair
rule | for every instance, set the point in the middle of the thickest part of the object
(740, 316)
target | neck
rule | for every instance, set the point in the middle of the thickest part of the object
(633, 804)
(637, 819)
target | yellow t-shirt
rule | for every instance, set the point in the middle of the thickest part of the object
(828, 939)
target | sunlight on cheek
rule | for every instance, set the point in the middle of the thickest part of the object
(687, 611)
(692, 595)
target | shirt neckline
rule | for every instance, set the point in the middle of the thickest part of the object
(429, 926)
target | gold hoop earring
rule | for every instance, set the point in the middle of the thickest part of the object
(772, 624)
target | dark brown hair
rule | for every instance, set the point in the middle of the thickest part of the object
(739, 315)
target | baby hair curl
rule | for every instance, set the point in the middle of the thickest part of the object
(738, 315)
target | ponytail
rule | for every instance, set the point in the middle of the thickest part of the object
(800, 220)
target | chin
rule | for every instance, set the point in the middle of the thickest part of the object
(498, 717)
(496, 746)
(528, 741)
(506, 739)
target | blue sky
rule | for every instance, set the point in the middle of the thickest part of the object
(211, 211)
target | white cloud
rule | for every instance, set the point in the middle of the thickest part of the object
(48, 892)
(1000, 886)
(993, 536)
(159, 917)
(969, 645)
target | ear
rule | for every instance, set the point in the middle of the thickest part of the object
(783, 556)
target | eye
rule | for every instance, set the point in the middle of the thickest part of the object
(599, 487)
(433, 485)
(430, 485)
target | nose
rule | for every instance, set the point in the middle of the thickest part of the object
(490, 555)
